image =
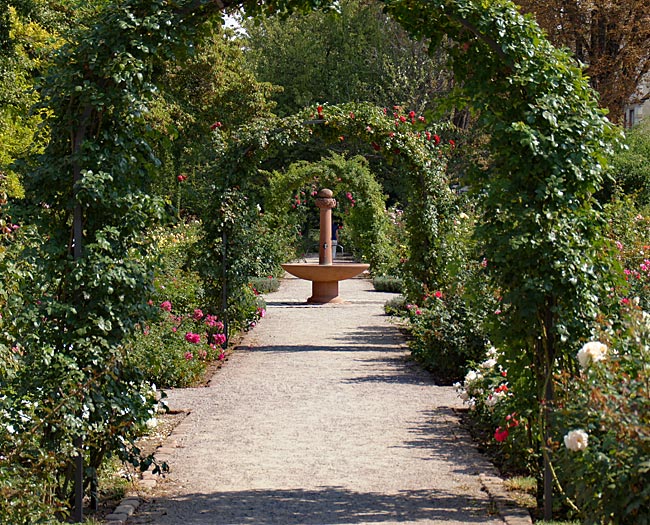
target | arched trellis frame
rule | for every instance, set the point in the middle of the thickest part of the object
(549, 143)
(416, 154)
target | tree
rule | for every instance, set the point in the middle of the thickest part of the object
(355, 55)
(209, 87)
(611, 37)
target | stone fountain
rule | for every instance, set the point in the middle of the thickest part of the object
(325, 275)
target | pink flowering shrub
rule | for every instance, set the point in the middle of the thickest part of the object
(175, 350)
(630, 236)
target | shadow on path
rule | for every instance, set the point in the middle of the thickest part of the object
(323, 506)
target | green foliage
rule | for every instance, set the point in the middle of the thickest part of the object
(446, 335)
(630, 168)
(356, 54)
(396, 306)
(82, 291)
(210, 87)
(548, 142)
(449, 325)
(412, 151)
(540, 230)
(629, 231)
(503, 418)
(360, 207)
(234, 249)
(169, 358)
(610, 400)
(175, 278)
(387, 283)
(265, 285)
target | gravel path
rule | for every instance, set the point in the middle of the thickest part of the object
(319, 418)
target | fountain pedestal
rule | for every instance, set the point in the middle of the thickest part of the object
(325, 276)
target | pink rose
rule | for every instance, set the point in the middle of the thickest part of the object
(192, 338)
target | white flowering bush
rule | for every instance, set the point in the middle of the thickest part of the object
(603, 444)
(500, 412)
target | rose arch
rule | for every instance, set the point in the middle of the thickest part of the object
(548, 143)
(416, 154)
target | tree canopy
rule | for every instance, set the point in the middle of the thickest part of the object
(356, 54)
(612, 38)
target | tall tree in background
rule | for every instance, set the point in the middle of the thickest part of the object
(358, 54)
(210, 87)
(612, 37)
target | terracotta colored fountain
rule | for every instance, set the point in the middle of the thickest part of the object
(325, 275)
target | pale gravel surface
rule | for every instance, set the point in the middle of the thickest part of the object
(319, 418)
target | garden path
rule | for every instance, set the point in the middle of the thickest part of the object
(319, 418)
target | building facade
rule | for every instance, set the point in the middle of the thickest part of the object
(639, 106)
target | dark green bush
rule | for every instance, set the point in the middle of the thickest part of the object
(447, 335)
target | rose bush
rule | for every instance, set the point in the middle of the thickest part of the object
(604, 423)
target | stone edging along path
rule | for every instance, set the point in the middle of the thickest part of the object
(320, 418)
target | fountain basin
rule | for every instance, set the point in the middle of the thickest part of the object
(325, 278)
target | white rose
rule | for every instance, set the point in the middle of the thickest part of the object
(592, 352)
(490, 363)
(151, 422)
(576, 440)
(491, 400)
(471, 376)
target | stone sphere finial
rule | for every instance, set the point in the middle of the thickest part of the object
(325, 200)
(325, 193)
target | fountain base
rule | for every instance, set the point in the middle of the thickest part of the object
(324, 292)
(325, 278)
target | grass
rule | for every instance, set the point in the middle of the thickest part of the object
(553, 522)
(526, 484)
(522, 489)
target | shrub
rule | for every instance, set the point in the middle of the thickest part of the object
(500, 412)
(175, 350)
(246, 309)
(630, 166)
(174, 278)
(609, 477)
(268, 284)
(386, 283)
(396, 306)
(629, 229)
(447, 335)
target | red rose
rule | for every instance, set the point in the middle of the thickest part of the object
(216, 125)
(501, 434)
